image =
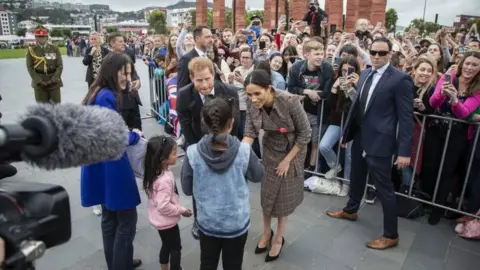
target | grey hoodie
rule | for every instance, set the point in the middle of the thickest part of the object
(220, 162)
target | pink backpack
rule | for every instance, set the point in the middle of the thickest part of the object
(469, 227)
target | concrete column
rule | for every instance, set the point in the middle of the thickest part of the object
(202, 8)
(219, 14)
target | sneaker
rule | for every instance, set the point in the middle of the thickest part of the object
(332, 173)
(307, 175)
(97, 210)
(195, 232)
(136, 263)
(181, 141)
(370, 196)
(344, 191)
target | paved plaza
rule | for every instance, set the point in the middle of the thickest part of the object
(313, 241)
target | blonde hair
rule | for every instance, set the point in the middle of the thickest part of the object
(312, 45)
(100, 37)
(433, 80)
(200, 64)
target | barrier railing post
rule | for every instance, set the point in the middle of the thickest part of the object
(419, 146)
(152, 89)
(472, 156)
(439, 176)
(320, 124)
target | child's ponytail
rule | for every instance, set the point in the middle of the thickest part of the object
(217, 115)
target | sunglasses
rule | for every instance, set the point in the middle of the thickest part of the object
(380, 53)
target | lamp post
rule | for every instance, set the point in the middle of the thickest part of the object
(276, 13)
(424, 9)
(234, 3)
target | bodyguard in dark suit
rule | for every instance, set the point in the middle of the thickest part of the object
(384, 102)
(190, 100)
(203, 42)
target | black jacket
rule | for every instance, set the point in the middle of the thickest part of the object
(183, 76)
(88, 61)
(189, 108)
(319, 17)
(296, 84)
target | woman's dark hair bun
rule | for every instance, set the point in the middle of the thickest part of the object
(259, 77)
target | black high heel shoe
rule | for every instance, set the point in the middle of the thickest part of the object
(273, 258)
(259, 250)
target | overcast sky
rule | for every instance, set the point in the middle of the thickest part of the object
(407, 9)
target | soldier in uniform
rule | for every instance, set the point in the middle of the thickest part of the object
(45, 66)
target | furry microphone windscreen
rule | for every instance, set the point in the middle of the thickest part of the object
(86, 135)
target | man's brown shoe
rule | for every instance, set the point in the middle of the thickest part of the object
(382, 243)
(342, 215)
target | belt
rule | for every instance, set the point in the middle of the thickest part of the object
(49, 71)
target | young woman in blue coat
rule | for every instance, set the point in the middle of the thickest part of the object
(112, 183)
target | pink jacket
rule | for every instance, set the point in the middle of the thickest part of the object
(460, 110)
(164, 209)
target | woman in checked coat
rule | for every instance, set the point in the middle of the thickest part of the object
(287, 133)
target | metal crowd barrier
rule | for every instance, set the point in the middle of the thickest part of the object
(424, 117)
(159, 96)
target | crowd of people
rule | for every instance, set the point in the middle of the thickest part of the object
(396, 111)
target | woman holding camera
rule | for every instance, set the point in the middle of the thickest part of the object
(457, 95)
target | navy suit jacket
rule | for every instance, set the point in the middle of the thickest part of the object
(183, 75)
(390, 105)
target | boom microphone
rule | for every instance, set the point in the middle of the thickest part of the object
(64, 136)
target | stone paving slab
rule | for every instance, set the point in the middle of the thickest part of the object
(313, 240)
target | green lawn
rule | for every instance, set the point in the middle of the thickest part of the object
(20, 53)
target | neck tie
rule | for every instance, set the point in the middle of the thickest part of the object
(363, 98)
(208, 98)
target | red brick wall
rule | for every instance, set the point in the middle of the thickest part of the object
(202, 8)
(351, 14)
(219, 14)
(298, 8)
(378, 11)
(239, 14)
(364, 9)
(271, 11)
(267, 16)
(334, 9)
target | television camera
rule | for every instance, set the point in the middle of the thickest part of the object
(33, 216)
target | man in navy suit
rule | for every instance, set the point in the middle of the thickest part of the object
(384, 103)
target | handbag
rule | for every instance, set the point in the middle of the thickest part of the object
(136, 154)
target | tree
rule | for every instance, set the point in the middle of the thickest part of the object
(424, 28)
(111, 29)
(56, 32)
(158, 22)
(193, 15)
(22, 6)
(471, 22)
(391, 18)
(210, 18)
(21, 32)
(249, 15)
(228, 18)
(67, 32)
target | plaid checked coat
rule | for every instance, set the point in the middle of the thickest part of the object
(285, 126)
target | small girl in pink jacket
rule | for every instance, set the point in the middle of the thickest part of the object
(164, 209)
